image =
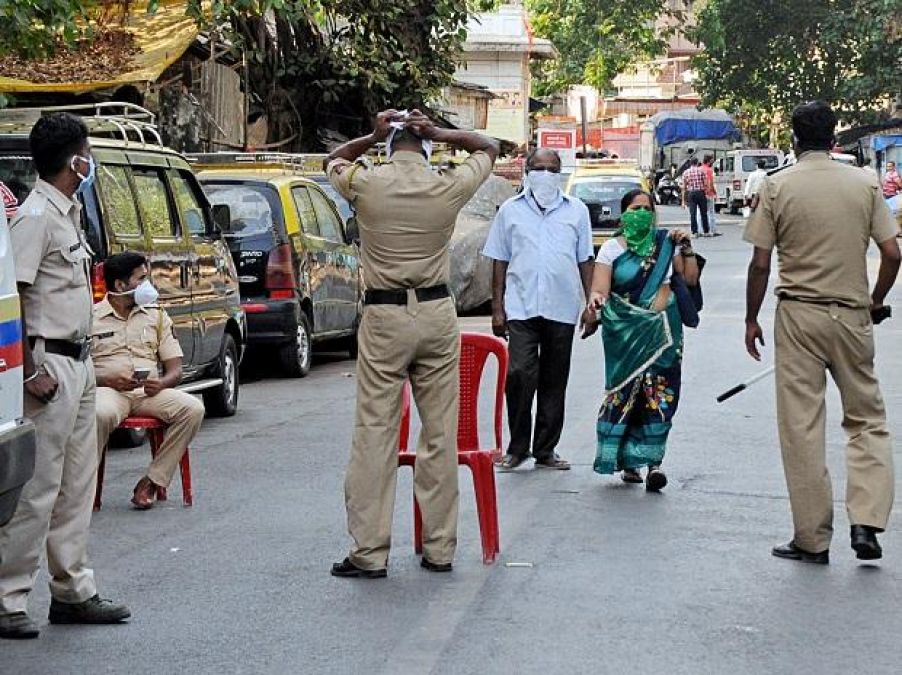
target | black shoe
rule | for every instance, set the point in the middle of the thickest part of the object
(18, 626)
(348, 569)
(93, 610)
(510, 462)
(864, 542)
(427, 564)
(792, 552)
(655, 480)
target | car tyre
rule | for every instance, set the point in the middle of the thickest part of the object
(296, 357)
(222, 401)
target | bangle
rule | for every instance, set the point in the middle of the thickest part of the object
(687, 253)
(33, 376)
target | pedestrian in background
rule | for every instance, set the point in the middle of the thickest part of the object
(406, 212)
(643, 361)
(892, 181)
(711, 194)
(820, 215)
(753, 184)
(541, 244)
(133, 336)
(52, 270)
(694, 197)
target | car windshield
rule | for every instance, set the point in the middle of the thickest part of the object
(602, 190)
(251, 207)
(750, 162)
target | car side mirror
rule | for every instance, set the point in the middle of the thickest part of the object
(352, 230)
(222, 220)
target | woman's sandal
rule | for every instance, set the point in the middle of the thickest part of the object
(655, 480)
(631, 476)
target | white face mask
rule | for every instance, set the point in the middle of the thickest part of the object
(545, 186)
(145, 293)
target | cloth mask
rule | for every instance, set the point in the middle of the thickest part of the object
(639, 230)
(396, 127)
(545, 186)
(88, 180)
(145, 293)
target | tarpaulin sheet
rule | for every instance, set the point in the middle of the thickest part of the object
(686, 125)
(161, 37)
(884, 142)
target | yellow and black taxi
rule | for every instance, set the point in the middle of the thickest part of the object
(298, 265)
(600, 184)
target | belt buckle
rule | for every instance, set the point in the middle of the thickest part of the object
(85, 351)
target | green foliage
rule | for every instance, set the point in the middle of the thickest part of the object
(767, 57)
(37, 28)
(596, 39)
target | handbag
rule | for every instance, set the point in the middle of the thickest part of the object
(689, 299)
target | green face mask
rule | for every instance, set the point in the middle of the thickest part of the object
(639, 231)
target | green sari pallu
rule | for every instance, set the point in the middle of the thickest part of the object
(643, 352)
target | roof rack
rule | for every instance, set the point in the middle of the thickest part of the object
(126, 121)
(297, 162)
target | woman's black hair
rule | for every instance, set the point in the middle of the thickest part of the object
(628, 198)
(54, 140)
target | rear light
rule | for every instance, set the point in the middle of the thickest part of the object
(98, 283)
(737, 184)
(280, 279)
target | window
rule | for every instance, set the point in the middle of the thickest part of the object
(750, 162)
(305, 211)
(153, 203)
(192, 213)
(329, 226)
(251, 207)
(118, 201)
(601, 191)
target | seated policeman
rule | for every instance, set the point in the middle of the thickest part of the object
(131, 336)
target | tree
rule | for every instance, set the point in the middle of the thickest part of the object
(314, 62)
(597, 39)
(766, 57)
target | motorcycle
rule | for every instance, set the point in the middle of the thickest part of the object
(668, 191)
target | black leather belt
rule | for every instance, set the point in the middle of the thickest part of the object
(79, 351)
(377, 296)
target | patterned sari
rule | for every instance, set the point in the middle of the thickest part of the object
(643, 352)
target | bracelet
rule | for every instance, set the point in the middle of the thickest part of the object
(33, 376)
(688, 253)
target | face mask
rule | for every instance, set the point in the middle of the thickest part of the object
(145, 293)
(639, 230)
(88, 180)
(545, 186)
(427, 144)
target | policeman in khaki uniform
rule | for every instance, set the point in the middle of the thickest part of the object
(406, 213)
(52, 261)
(131, 337)
(821, 215)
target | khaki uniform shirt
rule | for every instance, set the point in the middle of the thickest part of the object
(406, 213)
(53, 260)
(142, 340)
(821, 216)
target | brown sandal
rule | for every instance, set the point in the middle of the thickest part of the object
(631, 476)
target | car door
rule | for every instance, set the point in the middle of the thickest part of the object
(341, 263)
(313, 256)
(213, 288)
(170, 252)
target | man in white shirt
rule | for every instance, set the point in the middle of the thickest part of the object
(753, 184)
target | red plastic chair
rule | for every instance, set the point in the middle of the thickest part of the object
(156, 429)
(475, 349)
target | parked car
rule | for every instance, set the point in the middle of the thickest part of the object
(147, 199)
(298, 267)
(600, 184)
(17, 440)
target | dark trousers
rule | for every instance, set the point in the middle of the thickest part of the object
(697, 201)
(539, 352)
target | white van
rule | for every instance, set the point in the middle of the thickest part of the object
(732, 172)
(17, 442)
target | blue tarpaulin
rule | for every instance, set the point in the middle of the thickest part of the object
(686, 125)
(884, 142)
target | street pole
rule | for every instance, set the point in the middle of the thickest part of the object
(582, 115)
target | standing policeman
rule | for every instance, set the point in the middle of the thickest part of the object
(821, 215)
(52, 260)
(406, 213)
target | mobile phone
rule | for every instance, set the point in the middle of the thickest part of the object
(141, 374)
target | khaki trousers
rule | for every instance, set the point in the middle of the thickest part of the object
(183, 413)
(55, 507)
(811, 340)
(420, 341)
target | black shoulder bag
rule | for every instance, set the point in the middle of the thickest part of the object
(689, 298)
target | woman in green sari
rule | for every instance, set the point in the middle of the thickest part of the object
(643, 340)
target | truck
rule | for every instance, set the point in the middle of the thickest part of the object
(676, 136)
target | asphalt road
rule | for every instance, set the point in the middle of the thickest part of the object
(619, 581)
